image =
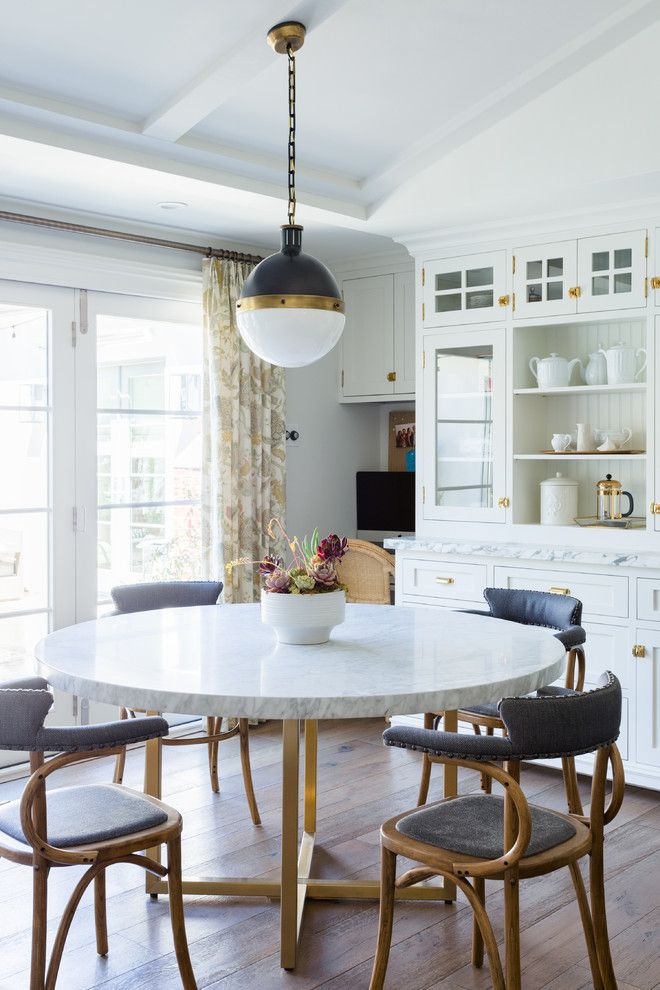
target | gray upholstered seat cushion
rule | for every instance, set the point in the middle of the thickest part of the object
(490, 711)
(473, 826)
(493, 710)
(84, 815)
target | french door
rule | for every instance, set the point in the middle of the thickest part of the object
(100, 448)
(37, 424)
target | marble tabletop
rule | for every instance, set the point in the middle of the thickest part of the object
(220, 659)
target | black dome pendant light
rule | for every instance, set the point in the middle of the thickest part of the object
(290, 311)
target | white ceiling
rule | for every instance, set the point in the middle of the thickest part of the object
(429, 114)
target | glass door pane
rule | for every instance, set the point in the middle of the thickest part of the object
(36, 406)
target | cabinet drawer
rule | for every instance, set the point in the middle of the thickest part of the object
(444, 580)
(648, 599)
(600, 594)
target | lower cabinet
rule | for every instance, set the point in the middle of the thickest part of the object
(621, 616)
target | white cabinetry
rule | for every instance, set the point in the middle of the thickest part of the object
(648, 697)
(464, 290)
(585, 275)
(377, 352)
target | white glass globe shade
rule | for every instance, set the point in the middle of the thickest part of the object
(290, 338)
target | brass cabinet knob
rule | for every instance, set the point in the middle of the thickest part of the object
(559, 591)
(444, 580)
(391, 376)
(655, 508)
(575, 292)
(504, 502)
(655, 282)
(503, 300)
(639, 650)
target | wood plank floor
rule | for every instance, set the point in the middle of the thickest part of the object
(234, 944)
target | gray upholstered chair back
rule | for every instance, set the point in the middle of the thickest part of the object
(534, 608)
(164, 594)
(24, 704)
(563, 725)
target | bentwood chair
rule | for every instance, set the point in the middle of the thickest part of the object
(471, 838)
(366, 571)
(94, 825)
(535, 608)
(185, 594)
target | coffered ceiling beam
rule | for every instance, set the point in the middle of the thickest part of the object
(223, 80)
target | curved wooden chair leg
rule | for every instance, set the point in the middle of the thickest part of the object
(100, 914)
(599, 916)
(212, 729)
(120, 759)
(40, 871)
(176, 914)
(243, 732)
(486, 930)
(587, 924)
(67, 918)
(385, 918)
(479, 885)
(425, 780)
(569, 773)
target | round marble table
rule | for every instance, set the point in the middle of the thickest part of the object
(221, 660)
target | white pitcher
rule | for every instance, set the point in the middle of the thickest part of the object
(554, 371)
(596, 371)
(621, 361)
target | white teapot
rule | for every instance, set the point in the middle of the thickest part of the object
(621, 360)
(554, 371)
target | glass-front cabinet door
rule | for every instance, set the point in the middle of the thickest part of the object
(543, 276)
(463, 429)
(612, 271)
(464, 290)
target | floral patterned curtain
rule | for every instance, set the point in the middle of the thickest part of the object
(244, 469)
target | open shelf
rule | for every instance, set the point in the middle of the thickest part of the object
(584, 389)
(597, 455)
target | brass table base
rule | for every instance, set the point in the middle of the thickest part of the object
(296, 884)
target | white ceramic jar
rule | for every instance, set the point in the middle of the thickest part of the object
(303, 620)
(559, 501)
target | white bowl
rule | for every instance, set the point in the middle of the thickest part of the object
(303, 620)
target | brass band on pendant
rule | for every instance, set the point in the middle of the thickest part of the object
(290, 302)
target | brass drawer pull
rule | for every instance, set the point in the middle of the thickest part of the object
(639, 650)
(559, 591)
(655, 508)
(575, 292)
(504, 502)
(443, 580)
(503, 300)
(391, 376)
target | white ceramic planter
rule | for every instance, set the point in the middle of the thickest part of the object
(303, 620)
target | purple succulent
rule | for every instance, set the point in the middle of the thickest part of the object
(269, 564)
(332, 547)
(323, 572)
(278, 581)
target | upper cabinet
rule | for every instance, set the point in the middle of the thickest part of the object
(470, 289)
(377, 353)
(588, 275)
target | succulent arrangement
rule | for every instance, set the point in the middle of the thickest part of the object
(312, 569)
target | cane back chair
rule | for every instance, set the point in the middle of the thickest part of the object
(366, 571)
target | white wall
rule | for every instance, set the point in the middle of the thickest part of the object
(335, 441)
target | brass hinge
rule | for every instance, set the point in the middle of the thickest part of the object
(655, 282)
(423, 359)
(423, 277)
(513, 264)
(423, 494)
(646, 246)
(646, 288)
(342, 377)
(513, 302)
(423, 312)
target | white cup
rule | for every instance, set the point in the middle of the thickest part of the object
(560, 441)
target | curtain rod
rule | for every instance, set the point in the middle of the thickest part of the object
(79, 228)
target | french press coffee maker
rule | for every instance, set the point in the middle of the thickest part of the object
(608, 500)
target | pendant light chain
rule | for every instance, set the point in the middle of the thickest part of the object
(292, 135)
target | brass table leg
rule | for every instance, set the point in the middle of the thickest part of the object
(289, 864)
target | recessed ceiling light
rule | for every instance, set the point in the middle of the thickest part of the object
(171, 204)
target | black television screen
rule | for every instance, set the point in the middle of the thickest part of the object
(386, 501)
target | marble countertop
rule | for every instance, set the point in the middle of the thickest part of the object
(221, 660)
(527, 551)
